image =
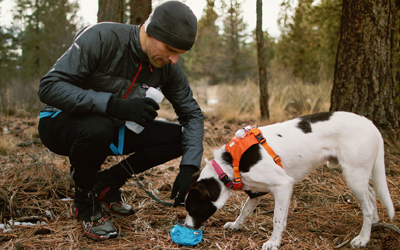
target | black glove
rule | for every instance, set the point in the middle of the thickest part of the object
(182, 183)
(140, 110)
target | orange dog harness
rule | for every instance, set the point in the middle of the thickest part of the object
(239, 144)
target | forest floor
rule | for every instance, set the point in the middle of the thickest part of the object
(36, 193)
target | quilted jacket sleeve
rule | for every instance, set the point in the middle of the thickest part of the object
(63, 86)
(179, 93)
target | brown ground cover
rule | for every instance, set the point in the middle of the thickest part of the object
(34, 182)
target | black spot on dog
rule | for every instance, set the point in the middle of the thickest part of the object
(248, 159)
(279, 135)
(307, 120)
(305, 126)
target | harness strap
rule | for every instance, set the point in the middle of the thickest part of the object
(263, 142)
(237, 180)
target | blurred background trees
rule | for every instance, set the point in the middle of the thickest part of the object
(225, 53)
(309, 38)
(41, 31)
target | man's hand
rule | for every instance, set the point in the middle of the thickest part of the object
(182, 184)
(140, 110)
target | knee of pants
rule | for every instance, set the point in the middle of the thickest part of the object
(97, 134)
(175, 131)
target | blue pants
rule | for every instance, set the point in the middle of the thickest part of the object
(86, 139)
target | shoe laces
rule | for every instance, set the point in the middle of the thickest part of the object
(92, 195)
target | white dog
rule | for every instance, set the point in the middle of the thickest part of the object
(302, 144)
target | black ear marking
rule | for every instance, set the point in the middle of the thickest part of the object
(204, 194)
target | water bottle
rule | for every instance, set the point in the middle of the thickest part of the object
(152, 93)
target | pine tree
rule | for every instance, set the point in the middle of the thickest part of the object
(309, 38)
(363, 81)
(204, 59)
(140, 11)
(49, 29)
(237, 50)
(9, 56)
(111, 11)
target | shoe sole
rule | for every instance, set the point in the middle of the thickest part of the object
(102, 238)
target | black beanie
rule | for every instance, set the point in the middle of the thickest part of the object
(173, 23)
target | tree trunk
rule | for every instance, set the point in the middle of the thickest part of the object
(111, 11)
(396, 54)
(140, 11)
(262, 65)
(363, 81)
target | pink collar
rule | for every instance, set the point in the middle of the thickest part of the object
(221, 174)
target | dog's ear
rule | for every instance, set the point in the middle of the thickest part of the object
(199, 191)
(195, 177)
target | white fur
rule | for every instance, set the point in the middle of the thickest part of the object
(351, 139)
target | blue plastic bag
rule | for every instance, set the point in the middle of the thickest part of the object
(186, 236)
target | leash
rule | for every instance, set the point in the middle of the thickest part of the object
(136, 179)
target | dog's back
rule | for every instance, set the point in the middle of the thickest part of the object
(342, 138)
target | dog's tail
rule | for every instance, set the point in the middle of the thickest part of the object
(379, 180)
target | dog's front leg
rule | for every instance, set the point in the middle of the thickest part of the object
(246, 211)
(282, 195)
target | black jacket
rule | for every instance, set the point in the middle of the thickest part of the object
(102, 61)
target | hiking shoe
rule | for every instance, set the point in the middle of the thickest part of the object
(89, 213)
(117, 209)
(109, 195)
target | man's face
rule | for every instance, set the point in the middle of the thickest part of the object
(161, 54)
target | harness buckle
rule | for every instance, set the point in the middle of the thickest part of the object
(260, 138)
(237, 183)
(237, 180)
(277, 160)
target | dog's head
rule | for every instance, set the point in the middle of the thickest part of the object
(205, 196)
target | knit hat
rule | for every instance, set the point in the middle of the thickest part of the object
(173, 23)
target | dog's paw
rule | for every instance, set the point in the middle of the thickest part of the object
(270, 245)
(359, 241)
(231, 226)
